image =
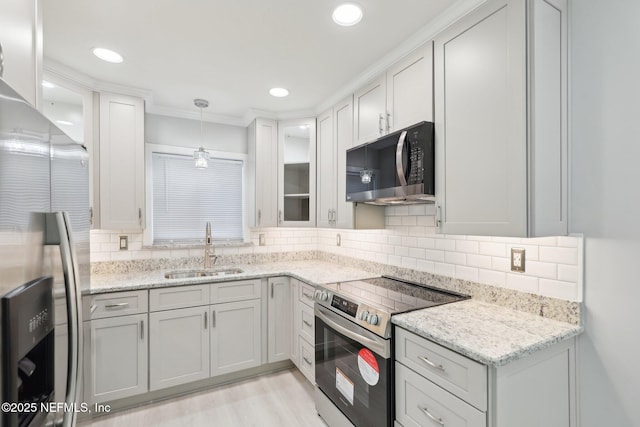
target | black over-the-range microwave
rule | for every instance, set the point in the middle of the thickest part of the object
(394, 169)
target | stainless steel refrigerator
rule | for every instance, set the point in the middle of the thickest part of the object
(44, 231)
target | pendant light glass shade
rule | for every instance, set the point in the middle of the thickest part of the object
(200, 156)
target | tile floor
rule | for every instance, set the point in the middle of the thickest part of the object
(281, 399)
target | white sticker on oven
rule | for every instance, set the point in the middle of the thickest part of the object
(344, 385)
(368, 366)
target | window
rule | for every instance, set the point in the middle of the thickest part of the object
(185, 198)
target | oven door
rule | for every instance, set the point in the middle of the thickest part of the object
(353, 369)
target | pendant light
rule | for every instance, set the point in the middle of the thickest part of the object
(200, 156)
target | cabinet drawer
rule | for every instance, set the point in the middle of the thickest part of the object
(178, 297)
(235, 291)
(115, 304)
(306, 325)
(461, 376)
(419, 402)
(307, 362)
(306, 294)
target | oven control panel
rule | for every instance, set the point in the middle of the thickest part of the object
(371, 318)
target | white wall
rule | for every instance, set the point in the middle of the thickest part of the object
(606, 205)
(186, 133)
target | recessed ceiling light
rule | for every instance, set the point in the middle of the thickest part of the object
(48, 84)
(64, 123)
(278, 92)
(347, 14)
(108, 55)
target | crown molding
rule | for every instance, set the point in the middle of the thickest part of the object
(427, 33)
(182, 113)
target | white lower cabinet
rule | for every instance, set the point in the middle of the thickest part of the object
(436, 386)
(178, 347)
(119, 357)
(235, 336)
(279, 319)
(303, 331)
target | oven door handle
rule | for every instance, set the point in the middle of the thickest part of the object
(381, 346)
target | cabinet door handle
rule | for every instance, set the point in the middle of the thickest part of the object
(205, 320)
(306, 360)
(388, 122)
(271, 290)
(307, 323)
(259, 216)
(279, 217)
(92, 308)
(307, 295)
(91, 216)
(213, 319)
(118, 306)
(428, 414)
(140, 216)
(142, 330)
(380, 119)
(430, 363)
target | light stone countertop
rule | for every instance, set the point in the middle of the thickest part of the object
(487, 333)
(312, 272)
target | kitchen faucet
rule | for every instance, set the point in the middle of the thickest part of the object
(209, 249)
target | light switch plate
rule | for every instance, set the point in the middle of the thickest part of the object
(262, 239)
(124, 243)
(517, 260)
(338, 240)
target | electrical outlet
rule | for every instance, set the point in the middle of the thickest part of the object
(263, 240)
(517, 259)
(338, 240)
(124, 243)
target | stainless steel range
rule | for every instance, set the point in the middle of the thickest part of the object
(354, 364)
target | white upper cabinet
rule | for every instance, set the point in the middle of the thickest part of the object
(501, 139)
(21, 40)
(121, 162)
(297, 173)
(327, 172)
(410, 89)
(401, 97)
(335, 137)
(370, 111)
(263, 152)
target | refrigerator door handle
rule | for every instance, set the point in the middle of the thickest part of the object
(60, 221)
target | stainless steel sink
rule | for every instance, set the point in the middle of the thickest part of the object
(187, 274)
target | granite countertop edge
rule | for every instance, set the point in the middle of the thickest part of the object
(460, 332)
(308, 272)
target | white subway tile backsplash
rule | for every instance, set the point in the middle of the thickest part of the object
(491, 277)
(492, 248)
(559, 255)
(434, 255)
(467, 246)
(446, 244)
(523, 283)
(466, 273)
(410, 240)
(568, 273)
(445, 269)
(559, 289)
(455, 258)
(481, 261)
(541, 269)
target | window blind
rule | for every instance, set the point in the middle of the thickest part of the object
(185, 198)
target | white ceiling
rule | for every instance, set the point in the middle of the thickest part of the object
(229, 52)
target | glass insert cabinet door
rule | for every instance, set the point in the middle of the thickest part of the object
(297, 173)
